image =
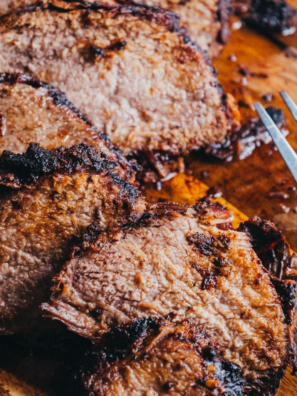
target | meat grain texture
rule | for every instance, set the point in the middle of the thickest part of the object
(184, 265)
(47, 197)
(33, 111)
(148, 357)
(205, 20)
(133, 70)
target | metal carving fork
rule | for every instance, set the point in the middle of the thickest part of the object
(286, 151)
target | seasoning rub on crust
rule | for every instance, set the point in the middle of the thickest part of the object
(131, 69)
(33, 111)
(179, 264)
(47, 197)
(205, 20)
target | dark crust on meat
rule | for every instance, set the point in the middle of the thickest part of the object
(252, 133)
(268, 384)
(274, 252)
(287, 293)
(127, 341)
(167, 18)
(223, 17)
(95, 234)
(271, 15)
(59, 99)
(270, 245)
(118, 344)
(157, 15)
(18, 170)
(154, 14)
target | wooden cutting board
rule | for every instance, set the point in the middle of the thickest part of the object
(247, 185)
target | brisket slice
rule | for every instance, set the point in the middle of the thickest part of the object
(274, 251)
(185, 263)
(133, 70)
(33, 111)
(150, 357)
(205, 20)
(47, 197)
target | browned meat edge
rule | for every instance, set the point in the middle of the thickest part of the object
(18, 170)
(154, 14)
(59, 99)
(267, 241)
(272, 16)
(126, 341)
(274, 252)
(223, 17)
(90, 238)
(173, 22)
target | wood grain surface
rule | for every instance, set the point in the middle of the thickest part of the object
(12, 386)
(246, 185)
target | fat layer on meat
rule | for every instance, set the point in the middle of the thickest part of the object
(179, 263)
(133, 71)
(47, 197)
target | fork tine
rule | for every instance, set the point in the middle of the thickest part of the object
(290, 103)
(281, 143)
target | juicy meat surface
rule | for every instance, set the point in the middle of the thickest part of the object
(133, 70)
(47, 197)
(153, 358)
(182, 263)
(205, 20)
(32, 111)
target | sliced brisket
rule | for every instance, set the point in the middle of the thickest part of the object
(133, 70)
(47, 197)
(274, 251)
(205, 20)
(149, 357)
(183, 264)
(33, 111)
